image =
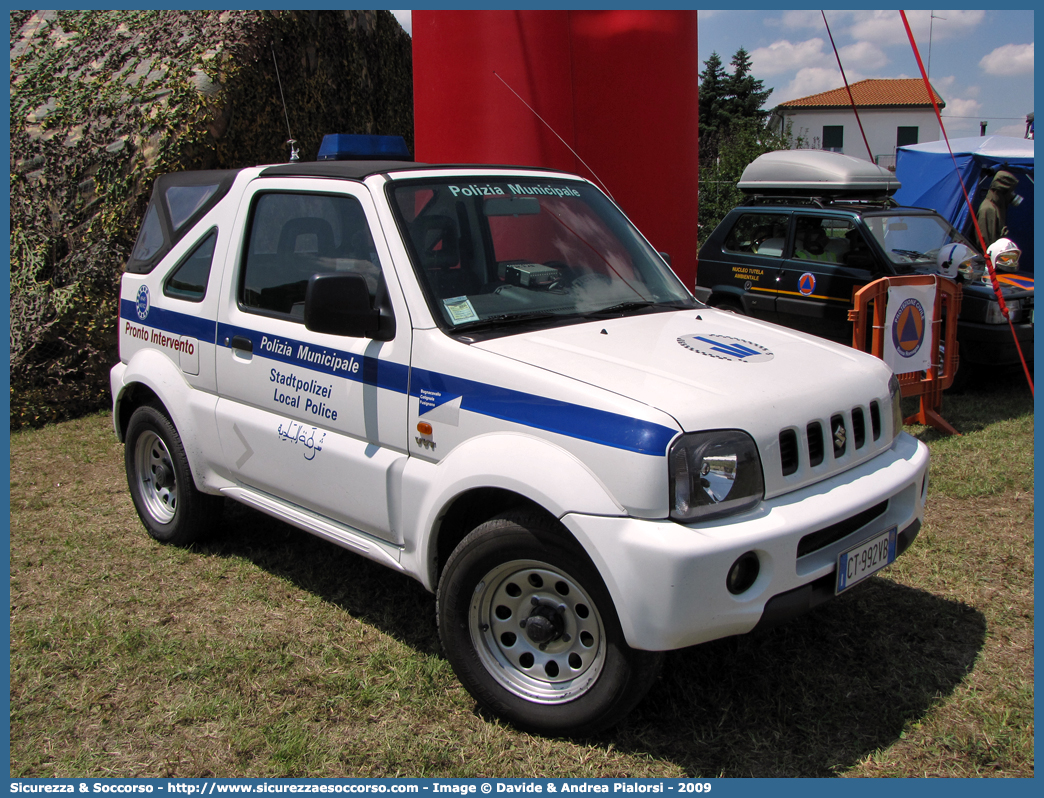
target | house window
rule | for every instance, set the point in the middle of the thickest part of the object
(834, 137)
(905, 136)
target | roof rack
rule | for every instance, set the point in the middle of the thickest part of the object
(875, 200)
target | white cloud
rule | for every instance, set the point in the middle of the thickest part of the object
(864, 56)
(886, 27)
(962, 107)
(1011, 59)
(786, 56)
(1018, 130)
(802, 20)
(943, 84)
(405, 19)
(883, 27)
(813, 80)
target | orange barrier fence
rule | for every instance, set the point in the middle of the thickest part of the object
(929, 384)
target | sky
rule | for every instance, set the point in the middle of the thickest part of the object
(980, 62)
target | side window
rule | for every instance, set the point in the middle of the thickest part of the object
(758, 233)
(293, 236)
(190, 276)
(150, 237)
(830, 241)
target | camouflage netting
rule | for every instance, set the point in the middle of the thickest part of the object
(103, 101)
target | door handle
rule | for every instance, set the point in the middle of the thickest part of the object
(243, 343)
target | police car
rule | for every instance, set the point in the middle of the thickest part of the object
(486, 378)
(819, 225)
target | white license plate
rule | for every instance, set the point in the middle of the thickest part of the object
(869, 557)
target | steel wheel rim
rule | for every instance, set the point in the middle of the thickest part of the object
(156, 477)
(537, 632)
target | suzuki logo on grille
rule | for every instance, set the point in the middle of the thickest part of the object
(839, 437)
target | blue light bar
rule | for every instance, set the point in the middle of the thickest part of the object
(363, 147)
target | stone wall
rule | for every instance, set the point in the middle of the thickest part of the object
(102, 101)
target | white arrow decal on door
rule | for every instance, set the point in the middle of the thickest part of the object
(248, 453)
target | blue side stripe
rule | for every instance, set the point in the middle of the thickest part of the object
(170, 321)
(550, 415)
(335, 362)
(517, 407)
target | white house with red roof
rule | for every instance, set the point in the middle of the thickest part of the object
(894, 112)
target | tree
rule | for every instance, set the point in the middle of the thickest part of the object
(711, 100)
(732, 134)
(727, 100)
(746, 94)
(740, 144)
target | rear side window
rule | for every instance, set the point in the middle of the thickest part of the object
(178, 202)
(189, 278)
(294, 236)
(763, 234)
(150, 237)
(184, 201)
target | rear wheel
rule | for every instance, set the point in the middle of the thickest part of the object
(531, 632)
(160, 480)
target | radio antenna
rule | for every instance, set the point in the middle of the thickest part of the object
(538, 116)
(294, 154)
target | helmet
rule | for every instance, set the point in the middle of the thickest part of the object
(954, 257)
(1004, 255)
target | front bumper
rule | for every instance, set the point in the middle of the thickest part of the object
(993, 344)
(668, 580)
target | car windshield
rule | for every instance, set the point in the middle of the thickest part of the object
(912, 239)
(499, 253)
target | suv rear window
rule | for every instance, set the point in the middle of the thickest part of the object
(760, 233)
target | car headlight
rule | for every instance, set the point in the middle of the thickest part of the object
(995, 316)
(896, 395)
(714, 474)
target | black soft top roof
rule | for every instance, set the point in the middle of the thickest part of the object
(180, 199)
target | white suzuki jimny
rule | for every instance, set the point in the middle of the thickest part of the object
(486, 378)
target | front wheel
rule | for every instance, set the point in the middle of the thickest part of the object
(170, 506)
(531, 632)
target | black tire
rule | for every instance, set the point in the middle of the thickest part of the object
(165, 496)
(514, 583)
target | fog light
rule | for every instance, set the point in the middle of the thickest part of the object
(743, 573)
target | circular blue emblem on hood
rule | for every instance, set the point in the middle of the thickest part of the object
(726, 347)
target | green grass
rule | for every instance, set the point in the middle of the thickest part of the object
(267, 652)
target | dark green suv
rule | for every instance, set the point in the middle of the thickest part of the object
(817, 226)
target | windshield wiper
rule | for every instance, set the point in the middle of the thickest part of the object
(911, 253)
(625, 307)
(505, 319)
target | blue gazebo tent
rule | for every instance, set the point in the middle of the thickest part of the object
(928, 180)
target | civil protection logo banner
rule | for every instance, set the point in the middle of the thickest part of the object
(909, 316)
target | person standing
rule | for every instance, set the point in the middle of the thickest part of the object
(993, 211)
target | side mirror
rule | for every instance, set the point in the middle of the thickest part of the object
(666, 257)
(339, 304)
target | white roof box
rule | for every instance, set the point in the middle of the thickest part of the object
(816, 173)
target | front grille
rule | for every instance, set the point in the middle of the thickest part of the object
(824, 537)
(814, 432)
(875, 419)
(788, 451)
(859, 427)
(838, 435)
(844, 435)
